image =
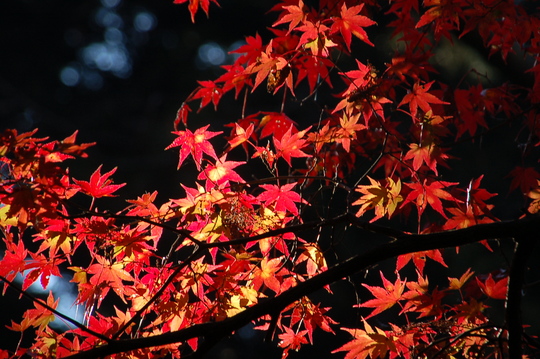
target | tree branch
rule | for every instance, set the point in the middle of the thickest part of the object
(404, 244)
(523, 250)
(68, 319)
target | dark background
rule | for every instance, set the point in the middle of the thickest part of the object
(118, 71)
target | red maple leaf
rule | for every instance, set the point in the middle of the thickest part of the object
(42, 267)
(294, 17)
(424, 194)
(385, 296)
(234, 77)
(526, 178)
(291, 340)
(68, 146)
(470, 106)
(220, 173)
(282, 197)
(275, 124)
(312, 316)
(314, 69)
(477, 197)
(99, 185)
(208, 91)
(290, 145)
(444, 14)
(357, 79)
(251, 50)
(193, 6)
(495, 290)
(351, 23)
(182, 115)
(421, 300)
(13, 261)
(195, 143)
(420, 97)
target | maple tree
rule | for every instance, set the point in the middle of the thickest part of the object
(255, 236)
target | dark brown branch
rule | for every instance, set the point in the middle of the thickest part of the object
(404, 244)
(523, 250)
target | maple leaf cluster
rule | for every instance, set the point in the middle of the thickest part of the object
(240, 246)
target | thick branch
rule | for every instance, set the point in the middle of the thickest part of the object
(523, 250)
(405, 243)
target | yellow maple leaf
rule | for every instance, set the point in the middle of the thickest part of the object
(384, 199)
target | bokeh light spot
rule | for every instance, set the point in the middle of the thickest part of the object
(144, 21)
(114, 36)
(210, 54)
(107, 18)
(70, 76)
(110, 3)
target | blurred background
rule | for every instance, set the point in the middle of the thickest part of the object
(117, 71)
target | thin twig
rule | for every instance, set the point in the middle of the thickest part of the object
(39, 301)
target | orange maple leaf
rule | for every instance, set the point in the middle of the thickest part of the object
(495, 290)
(420, 97)
(113, 274)
(373, 343)
(40, 317)
(348, 129)
(534, 207)
(386, 297)
(428, 153)
(267, 274)
(419, 259)
(268, 63)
